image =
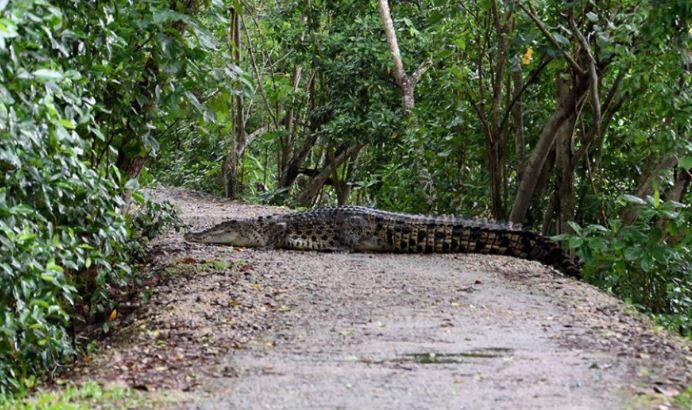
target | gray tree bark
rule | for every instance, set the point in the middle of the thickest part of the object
(406, 83)
(564, 110)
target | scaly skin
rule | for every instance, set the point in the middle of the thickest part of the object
(360, 229)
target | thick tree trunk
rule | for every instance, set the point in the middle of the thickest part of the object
(541, 187)
(496, 168)
(564, 110)
(130, 166)
(230, 174)
(564, 161)
(682, 183)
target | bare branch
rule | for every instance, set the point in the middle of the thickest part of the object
(256, 133)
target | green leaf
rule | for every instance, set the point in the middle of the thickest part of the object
(561, 39)
(69, 124)
(138, 198)
(599, 227)
(26, 237)
(132, 184)
(577, 229)
(7, 28)
(575, 241)
(47, 75)
(633, 199)
(685, 163)
(632, 254)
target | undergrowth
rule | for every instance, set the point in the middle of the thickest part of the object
(647, 263)
(89, 395)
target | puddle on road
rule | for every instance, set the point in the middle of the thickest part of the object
(442, 358)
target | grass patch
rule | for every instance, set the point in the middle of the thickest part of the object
(684, 399)
(215, 265)
(90, 395)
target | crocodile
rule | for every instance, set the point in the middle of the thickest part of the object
(362, 229)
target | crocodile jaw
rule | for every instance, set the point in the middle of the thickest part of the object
(224, 237)
(219, 237)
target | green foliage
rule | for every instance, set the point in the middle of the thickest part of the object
(684, 399)
(648, 263)
(148, 221)
(59, 217)
(195, 163)
(152, 66)
(65, 245)
(89, 395)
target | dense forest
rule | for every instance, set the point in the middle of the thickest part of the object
(571, 118)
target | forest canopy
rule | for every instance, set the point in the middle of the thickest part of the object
(571, 118)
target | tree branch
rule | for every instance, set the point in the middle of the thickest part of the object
(595, 98)
(386, 15)
(256, 133)
(257, 74)
(481, 116)
(532, 77)
(531, 12)
(406, 83)
(422, 68)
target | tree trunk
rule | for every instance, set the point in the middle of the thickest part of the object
(564, 161)
(518, 122)
(564, 110)
(541, 187)
(682, 182)
(234, 155)
(130, 166)
(496, 168)
(646, 181)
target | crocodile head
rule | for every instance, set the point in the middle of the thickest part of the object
(259, 232)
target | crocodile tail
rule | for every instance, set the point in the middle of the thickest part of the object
(537, 247)
(500, 239)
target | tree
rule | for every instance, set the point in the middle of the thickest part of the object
(407, 83)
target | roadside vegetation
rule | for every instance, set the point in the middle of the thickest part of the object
(88, 396)
(570, 118)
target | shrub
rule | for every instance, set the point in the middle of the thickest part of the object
(648, 263)
(64, 241)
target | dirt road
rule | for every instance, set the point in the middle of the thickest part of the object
(239, 328)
